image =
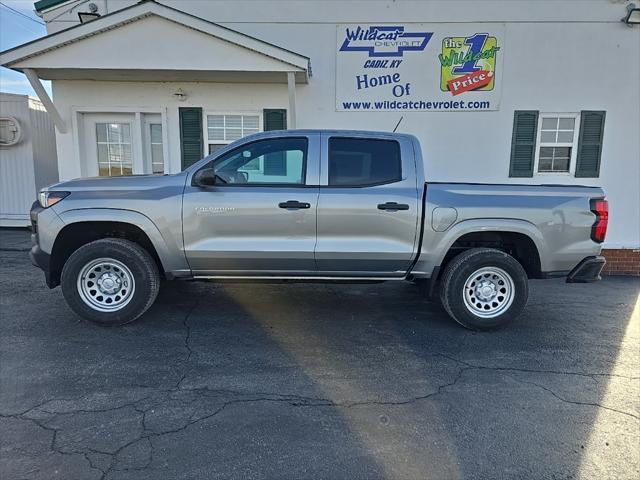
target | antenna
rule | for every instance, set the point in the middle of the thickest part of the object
(398, 124)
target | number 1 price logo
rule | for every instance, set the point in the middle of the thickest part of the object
(468, 63)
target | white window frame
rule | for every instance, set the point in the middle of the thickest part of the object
(149, 146)
(120, 144)
(573, 145)
(205, 125)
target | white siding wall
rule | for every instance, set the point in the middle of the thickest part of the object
(562, 56)
(367, 11)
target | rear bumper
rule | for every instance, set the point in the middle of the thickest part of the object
(588, 270)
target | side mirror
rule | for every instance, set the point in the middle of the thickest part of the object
(204, 178)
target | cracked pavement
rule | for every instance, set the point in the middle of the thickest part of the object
(318, 381)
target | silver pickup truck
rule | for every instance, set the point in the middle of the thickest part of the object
(306, 205)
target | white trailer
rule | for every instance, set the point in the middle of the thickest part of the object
(28, 158)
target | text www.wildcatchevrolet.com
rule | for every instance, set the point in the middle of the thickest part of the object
(417, 105)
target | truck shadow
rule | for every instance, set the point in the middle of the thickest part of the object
(420, 396)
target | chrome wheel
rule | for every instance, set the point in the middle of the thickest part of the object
(106, 285)
(488, 292)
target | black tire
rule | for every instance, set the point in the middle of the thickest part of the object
(467, 306)
(143, 270)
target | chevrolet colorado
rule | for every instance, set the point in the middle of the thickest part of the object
(305, 205)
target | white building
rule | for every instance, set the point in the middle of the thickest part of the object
(497, 90)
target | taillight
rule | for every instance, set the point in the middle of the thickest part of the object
(600, 207)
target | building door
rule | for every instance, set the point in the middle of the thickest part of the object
(368, 206)
(111, 145)
(256, 219)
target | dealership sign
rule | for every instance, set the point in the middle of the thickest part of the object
(420, 67)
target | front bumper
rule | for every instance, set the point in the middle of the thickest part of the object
(588, 270)
(40, 258)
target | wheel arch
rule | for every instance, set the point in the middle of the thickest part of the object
(85, 225)
(519, 238)
(518, 245)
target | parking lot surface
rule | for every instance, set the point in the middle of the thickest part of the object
(317, 381)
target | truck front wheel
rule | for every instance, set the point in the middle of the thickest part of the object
(110, 281)
(484, 288)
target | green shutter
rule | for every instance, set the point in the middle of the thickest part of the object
(275, 119)
(590, 144)
(190, 135)
(523, 143)
(275, 163)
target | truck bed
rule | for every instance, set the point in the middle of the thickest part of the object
(557, 219)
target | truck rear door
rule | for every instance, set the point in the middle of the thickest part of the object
(368, 205)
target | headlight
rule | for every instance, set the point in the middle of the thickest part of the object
(47, 199)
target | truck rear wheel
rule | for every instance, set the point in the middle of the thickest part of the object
(110, 281)
(484, 288)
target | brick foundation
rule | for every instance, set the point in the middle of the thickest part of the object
(622, 262)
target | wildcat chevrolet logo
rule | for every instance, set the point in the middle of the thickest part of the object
(384, 41)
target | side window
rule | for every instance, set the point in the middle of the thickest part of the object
(114, 149)
(556, 152)
(155, 141)
(222, 129)
(272, 161)
(361, 162)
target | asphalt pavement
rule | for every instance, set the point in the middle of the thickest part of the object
(310, 381)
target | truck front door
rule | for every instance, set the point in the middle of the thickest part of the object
(260, 216)
(368, 207)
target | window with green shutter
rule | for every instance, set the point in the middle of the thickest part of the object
(190, 135)
(523, 143)
(590, 144)
(556, 143)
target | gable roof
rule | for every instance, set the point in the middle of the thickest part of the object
(19, 57)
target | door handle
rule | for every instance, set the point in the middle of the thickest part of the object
(294, 205)
(393, 206)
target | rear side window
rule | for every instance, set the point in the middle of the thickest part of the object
(361, 162)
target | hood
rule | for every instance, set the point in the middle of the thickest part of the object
(130, 182)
